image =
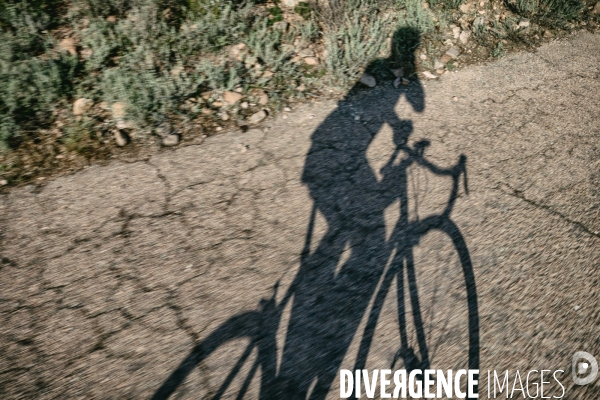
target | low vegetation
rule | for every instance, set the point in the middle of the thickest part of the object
(150, 68)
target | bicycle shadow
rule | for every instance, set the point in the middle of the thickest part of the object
(354, 264)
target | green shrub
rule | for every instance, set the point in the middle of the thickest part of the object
(498, 50)
(352, 46)
(32, 84)
(303, 9)
(276, 15)
(548, 12)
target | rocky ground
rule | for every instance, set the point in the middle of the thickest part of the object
(109, 277)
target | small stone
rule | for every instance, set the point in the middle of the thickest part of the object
(464, 37)
(438, 64)
(454, 98)
(368, 80)
(524, 23)
(465, 8)
(218, 129)
(284, 116)
(287, 109)
(225, 116)
(244, 105)
(290, 3)
(596, 9)
(119, 110)
(548, 34)
(217, 104)
(311, 61)
(429, 75)
(232, 97)
(121, 138)
(123, 124)
(445, 59)
(69, 45)
(423, 56)
(405, 81)
(576, 308)
(456, 32)
(301, 88)
(481, 3)
(82, 105)
(111, 18)
(263, 99)
(398, 72)
(308, 52)
(3, 182)
(453, 52)
(439, 71)
(257, 117)
(238, 90)
(170, 140)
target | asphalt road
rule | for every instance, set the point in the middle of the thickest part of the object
(112, 277)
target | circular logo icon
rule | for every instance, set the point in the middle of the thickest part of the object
(584, 368)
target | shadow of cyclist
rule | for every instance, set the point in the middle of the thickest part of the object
(331, 293)
(330, 299)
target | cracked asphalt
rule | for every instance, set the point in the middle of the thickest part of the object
(111, 276)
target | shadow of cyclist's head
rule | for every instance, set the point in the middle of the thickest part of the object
(399, 64)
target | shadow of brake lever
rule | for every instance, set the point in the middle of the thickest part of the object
(420, 147)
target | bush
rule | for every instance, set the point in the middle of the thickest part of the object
(32, 84)
(548, 12)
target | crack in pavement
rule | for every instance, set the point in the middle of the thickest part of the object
(520, 194)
